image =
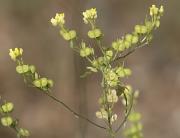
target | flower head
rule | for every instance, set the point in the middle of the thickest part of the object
(153, 10)
(89, 15)
(14, 54)
(58, 19)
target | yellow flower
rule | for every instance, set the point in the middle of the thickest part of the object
(15, 53)
(153, 10)
(58, 19)
(90, 14)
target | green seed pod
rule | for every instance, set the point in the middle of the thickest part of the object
(115, 45)
(127, 72)
(143, 29)
(137, 29)
(95, 63)
(109, 53)
(68, 35)
(120, 72)
(44, 82)
(6, 121)
(25, 68)
(36, 76)
(37, 83)
(94, 33)
(32, 68)
(149, 25)
(135, 39)
(128, 38)
(23, 132)
(82, 53)
(72, 34)
(101, 60)
(50, 83)
(127, 44)
(19, 69)
(7, 107)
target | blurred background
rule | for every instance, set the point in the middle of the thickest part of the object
(156, 69)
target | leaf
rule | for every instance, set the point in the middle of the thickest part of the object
(86, 74)
(92, 69)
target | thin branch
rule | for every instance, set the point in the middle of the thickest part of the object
(130, 52)
(127, 115)
(77, 115)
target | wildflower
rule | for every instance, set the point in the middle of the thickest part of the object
(89, 15)
(14, 54)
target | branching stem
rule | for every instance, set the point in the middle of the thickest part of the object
(77, 115)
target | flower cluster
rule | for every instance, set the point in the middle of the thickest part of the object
(90, 15)
(155, 11)
(16, 53)
(31, 75)
(58, 20)
(7, 120)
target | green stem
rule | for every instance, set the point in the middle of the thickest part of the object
(130, 52)
(77, 115)
(127, 115)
